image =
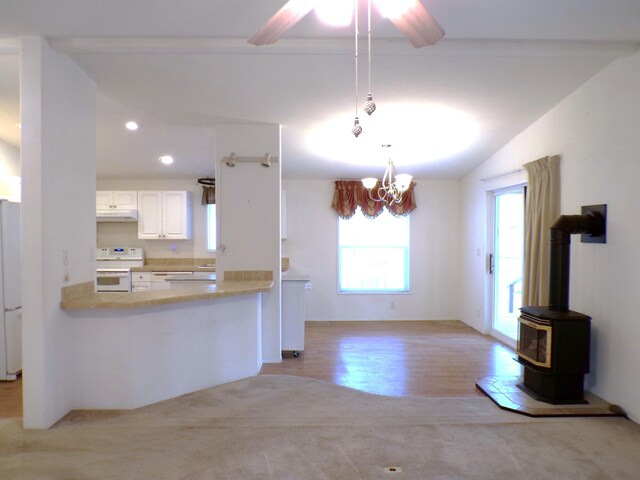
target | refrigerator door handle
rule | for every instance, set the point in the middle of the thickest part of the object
(12, 309)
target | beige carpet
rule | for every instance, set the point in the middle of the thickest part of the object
(278, 427)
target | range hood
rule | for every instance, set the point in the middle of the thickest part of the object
(117, 215)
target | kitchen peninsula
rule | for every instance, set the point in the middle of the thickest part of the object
(134, 349)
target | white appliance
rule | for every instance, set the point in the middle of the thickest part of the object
(293, 311)
(10, 297)
(113, 268)
(116, 215)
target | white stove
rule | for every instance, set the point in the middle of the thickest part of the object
(113, 268)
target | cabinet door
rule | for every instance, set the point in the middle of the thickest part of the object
(176, 214)
(125, 200)
(104, 200)
(150, 215)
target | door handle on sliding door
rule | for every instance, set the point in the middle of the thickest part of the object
(490, 263)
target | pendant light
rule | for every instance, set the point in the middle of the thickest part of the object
(357, 128)
(369, 105)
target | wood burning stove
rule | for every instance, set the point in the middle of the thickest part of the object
(554, 342)
(554, 349)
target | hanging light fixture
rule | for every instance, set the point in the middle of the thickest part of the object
(369, 105)
(392, 187)
(357, 128)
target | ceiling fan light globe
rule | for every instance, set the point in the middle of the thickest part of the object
(335, 13)
(393, 8)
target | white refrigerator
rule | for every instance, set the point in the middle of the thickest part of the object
(10, 299)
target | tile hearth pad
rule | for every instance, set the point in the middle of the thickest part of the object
(505, 393)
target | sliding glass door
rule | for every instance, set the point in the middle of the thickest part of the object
(507, 260)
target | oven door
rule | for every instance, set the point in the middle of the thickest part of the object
(113, 280)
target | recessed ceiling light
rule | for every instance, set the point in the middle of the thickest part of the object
(166, 159)
(131, 125)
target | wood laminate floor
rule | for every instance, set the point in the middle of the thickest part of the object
(430, 359)
(11, 399)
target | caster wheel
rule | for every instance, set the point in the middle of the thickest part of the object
(296, 353)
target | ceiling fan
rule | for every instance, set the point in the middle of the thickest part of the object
(414, 21)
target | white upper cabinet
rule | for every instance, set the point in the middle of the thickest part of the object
(116, 200)
(164, 215)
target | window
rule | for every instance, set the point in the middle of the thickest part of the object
(373, 254)
(212, 240)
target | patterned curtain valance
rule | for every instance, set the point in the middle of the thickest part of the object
(351, 194)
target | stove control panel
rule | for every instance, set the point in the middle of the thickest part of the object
(119, 253)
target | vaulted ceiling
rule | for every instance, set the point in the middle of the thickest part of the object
(180, 68)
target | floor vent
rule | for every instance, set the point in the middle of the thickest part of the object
(392, 470)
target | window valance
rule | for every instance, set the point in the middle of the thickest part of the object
(351, 194)
(208, 190)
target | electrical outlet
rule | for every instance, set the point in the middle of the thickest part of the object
(392, 305)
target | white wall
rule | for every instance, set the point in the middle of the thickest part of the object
(595, 132)
(311, 246)
(123, 234)
(248, 207)
(58, 148)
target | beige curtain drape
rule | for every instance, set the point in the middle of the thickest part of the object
(543, 209)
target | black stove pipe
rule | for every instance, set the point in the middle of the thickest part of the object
(560, 237)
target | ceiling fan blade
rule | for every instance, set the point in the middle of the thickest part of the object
(285, 18)
(418, 25)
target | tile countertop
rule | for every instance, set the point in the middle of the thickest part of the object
(152, 298)
(202, 277)
(289, 277)
(186, 265)
(211, 277)
(173, 268)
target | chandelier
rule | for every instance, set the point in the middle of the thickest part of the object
(392, 186)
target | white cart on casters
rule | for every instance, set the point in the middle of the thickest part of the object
(293, 312)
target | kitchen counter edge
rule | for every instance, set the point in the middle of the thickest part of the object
(152, 298)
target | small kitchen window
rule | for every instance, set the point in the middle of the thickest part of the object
(212, 239)
(373, 254)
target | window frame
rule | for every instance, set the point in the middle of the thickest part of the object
(211, 215)
(407, 261)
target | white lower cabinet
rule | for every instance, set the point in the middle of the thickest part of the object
(140, 281)
(164, 215)
(159, 279)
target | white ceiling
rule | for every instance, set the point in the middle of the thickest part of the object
(181, 67)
